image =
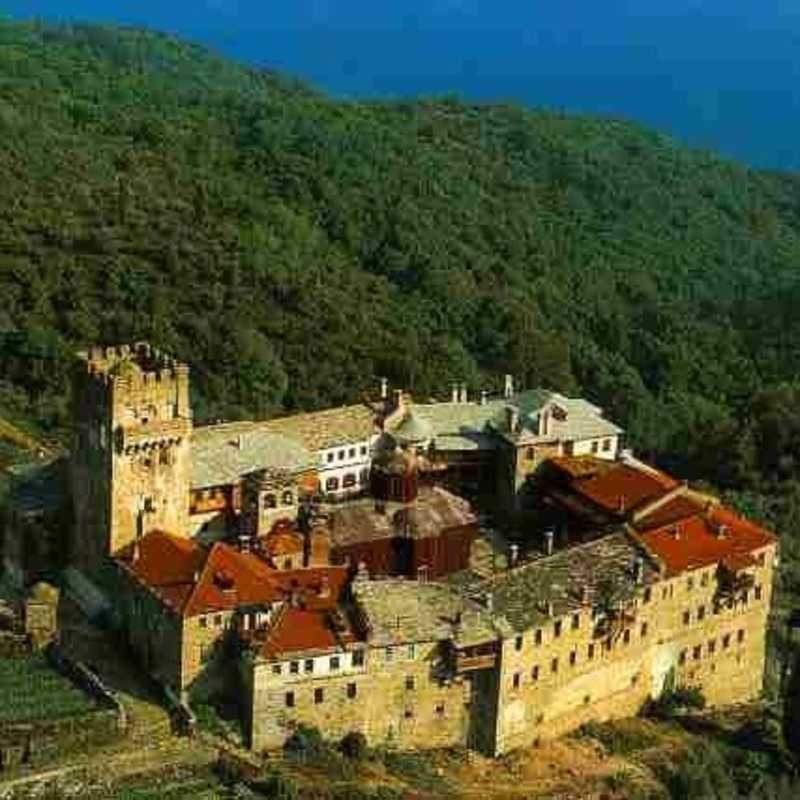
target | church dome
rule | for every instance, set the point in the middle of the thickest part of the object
(412, 430)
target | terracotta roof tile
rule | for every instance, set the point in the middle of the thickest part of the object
(302, 630)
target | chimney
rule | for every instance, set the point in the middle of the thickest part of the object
(483, 397)
(244, 544)
(676, 532)
(454, 393)
(512, 417)
(463, 395)
(508, 391)
(362, 573)
(136, 552)
(621, 504)
(549, 535)
(514, 555)
(722, 531)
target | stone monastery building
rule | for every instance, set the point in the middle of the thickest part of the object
(346, 568)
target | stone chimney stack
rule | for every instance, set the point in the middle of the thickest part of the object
(513, 555)
(384, 389)
(508, 391)
(549, 535)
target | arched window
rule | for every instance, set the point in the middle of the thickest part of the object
(288, 498)
(332, 484)
(269, 501)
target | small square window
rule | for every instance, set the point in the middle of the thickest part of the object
(690, 583)
(309, 665)
(408, 713)
(606, 445)
(341, 455)
(626, 636)
(760, 559)
(363, 450)
(358, 658)
(726, 641)
(573, 658)
(203, 622)
(218, 621)
(515, 680)
(554, 665)
(334, 663)
(687, 617)
(330, 457)
(388, 654)
(289, 699)
(644, 630)
(701, 613)
(410, 683)
(682, 657)
(276, 669)
(440, 708)
(294, 667)
(535, 673)
(704, 579)
(740, 635)
(594, 447)
(319, 695)
(757, 592)
(351, 453)
(712, 646)
(557, 629)
(412, 651)
(518, 643)
(352, 690)
(648, 595)
(537, 637)
(576, 621)
(697, 652)
(590, 651)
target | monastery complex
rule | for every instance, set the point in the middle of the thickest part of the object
(484, 571)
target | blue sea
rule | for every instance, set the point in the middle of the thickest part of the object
(721, 75)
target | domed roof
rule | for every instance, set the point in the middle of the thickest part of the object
(412, 430)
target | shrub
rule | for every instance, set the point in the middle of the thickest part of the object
(677, 701)
(354, 745)
(616, 739)
(306, 744)
(276, 786)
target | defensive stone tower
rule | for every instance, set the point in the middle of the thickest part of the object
(131, 454)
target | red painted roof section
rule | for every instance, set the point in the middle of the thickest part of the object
(165, 563)
(300, 630)
(698, 543)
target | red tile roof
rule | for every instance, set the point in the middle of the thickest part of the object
(191, 579)
(698, 542)
(301, 630)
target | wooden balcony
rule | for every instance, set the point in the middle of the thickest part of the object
(468, 662)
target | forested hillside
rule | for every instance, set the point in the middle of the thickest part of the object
(292, 248)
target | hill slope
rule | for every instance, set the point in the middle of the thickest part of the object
(292, 247)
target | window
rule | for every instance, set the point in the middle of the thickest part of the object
(697, 652)
(587, 698)
(440, 709)
(294, 667)
(276, 669)
(607, 644)
(712, 646)
(218, 621)
(287, 563)
(740, 635)
(410, 683)
(757, 591)
(606, 445)
(319, 695)
(388, 653)
(515, 680)
(576, 621)
(682, 658)
(352, 690)
(648, 595)
(408, 713)
(537, 637)
(203, 622)
(594, 447)
(626, 637)
(332, 484)
(288, 498)
(573, 658)
(309, 665)
(363, 450)
(334, 663)
(760, 559)
(341, 455)
(687, 617)
(163, 456)
(634, 680)
(358, 658)
(554, 665)
(349, 480)
(726, 641)
(590, 651)
(701, 613)
(530, 454)
(330, 457)
(535, 673)
(557, 629)
(289, 698)
(518, 643)
(690, 583)
(644, 630)
(351, 453)
(270, 501)
(412, 651)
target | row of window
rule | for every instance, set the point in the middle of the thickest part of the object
(591, 651)
(351, 453)
(351, 692)
(711, 647)
(758, 593)
(271, 500)
(334, 664)
(349, 480)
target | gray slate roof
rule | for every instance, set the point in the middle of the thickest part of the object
(222, 454)
(403, 611)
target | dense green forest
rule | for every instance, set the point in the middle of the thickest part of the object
(292, 248)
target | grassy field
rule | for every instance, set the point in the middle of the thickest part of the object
(31, 690)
